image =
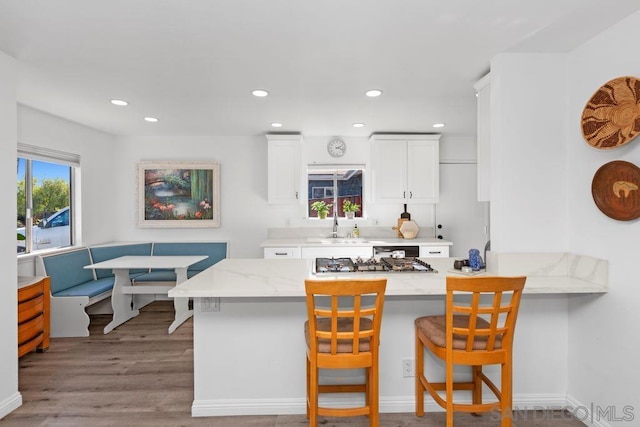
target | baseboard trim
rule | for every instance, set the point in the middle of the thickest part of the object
(596, 416)
(10, 404)
(389, 404)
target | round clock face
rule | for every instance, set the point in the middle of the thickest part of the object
(336, 147)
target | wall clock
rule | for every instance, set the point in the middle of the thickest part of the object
(336, 147)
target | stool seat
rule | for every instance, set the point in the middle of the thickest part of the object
(435, 329)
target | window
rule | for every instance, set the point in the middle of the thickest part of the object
(335, 184)
(44, 198)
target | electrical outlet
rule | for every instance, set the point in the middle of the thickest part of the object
(407, 368)
(209, 305)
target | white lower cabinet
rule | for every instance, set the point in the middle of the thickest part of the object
(288, 252)
(337, 252)
(434, 251)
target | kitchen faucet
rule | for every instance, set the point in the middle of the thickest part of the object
(334, 234)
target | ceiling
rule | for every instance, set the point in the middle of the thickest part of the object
(193, 63)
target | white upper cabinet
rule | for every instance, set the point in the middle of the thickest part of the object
(483, 91)
(406, 168)
(284, 154)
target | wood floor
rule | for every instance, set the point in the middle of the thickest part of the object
(138, 375)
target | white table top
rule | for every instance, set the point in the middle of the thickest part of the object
(150, 261)
(285, 278)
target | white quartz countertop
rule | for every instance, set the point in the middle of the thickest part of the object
(363, 241)
(237, 278)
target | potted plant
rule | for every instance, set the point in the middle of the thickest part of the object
(321, 207)
(349, 208)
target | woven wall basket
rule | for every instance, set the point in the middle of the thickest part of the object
(611, 118)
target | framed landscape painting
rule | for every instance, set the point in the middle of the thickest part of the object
(178, 194)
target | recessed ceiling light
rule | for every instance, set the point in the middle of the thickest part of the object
(151, 119)
(373, 93)
(358, 125)
(438, 125)
(260, 93)
(119, 102)
(276, 125)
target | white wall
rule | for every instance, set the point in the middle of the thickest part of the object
(541, 201)
(528, 200)
(9, 396)
(528, 153)
(97, 171)
(604, 339)
(243, 188)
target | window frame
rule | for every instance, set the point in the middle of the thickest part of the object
(32, 153)
(336, 193)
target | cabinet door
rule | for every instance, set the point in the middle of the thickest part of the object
(390, 171)
(284, 159)
(423, 171)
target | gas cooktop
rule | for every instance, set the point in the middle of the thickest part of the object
(395, 265)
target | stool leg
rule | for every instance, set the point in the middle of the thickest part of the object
(419, 388)
(313, 395)
(506, 399)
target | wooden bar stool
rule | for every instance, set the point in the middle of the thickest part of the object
(344, 335)
(472, 333)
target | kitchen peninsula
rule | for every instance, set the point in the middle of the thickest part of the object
(249, 349)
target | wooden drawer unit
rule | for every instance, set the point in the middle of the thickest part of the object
(33, 314)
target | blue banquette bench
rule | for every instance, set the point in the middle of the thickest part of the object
(73, 288)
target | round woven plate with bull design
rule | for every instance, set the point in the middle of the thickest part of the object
(615, 190)
(611, 118)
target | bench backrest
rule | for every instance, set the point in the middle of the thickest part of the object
(67, 269)
(104, 253)
(216, 251)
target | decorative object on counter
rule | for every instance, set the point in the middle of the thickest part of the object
(321, 207)
(615, 190)
(349, 208)
(409, 229)
(466, 269)
(475, 260)
(178, 194)
(404, 216)
(459, 263)
(611, 118)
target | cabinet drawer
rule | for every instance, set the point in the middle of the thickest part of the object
(30, 345)
(30, 292)
(434, 251)
(30, 329)
(30, 308)
(292, 252)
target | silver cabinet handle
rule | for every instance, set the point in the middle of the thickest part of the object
(296, 195)
(281, 253)
(411, 194)
(404, 194)
(435, 252)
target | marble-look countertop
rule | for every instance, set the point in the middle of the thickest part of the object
(238, 278)
(363, 241)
